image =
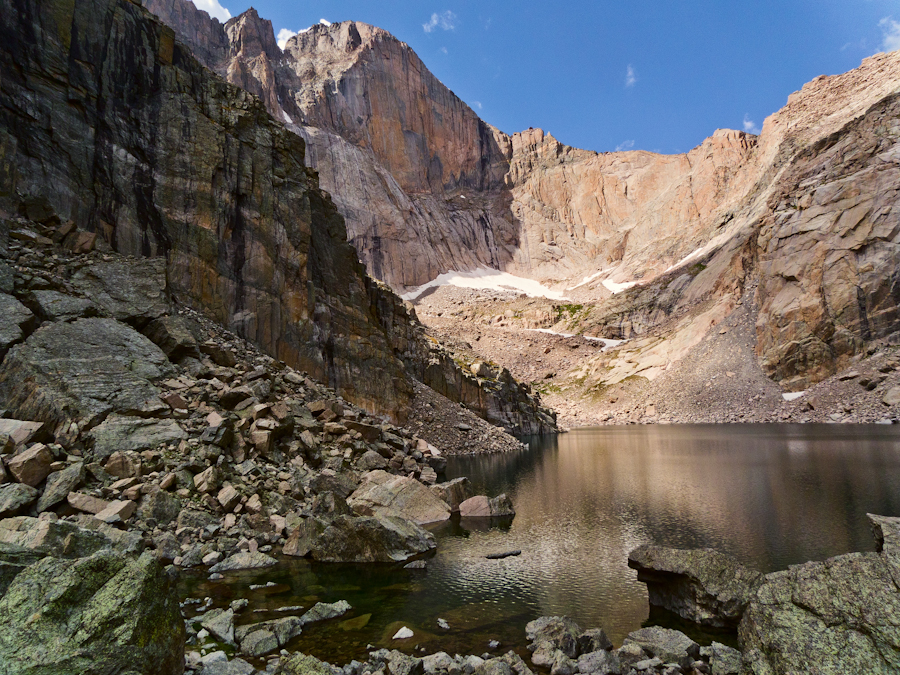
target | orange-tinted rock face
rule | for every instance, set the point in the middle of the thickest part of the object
(425, 187)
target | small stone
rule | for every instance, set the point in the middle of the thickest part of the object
(228, 497)
(403, 634)
(117, 512)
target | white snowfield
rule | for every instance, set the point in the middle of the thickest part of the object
(614, 287)
(792, 395)
(487, 279)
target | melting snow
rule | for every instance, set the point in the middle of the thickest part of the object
(614, 287)
(586, 280)
(487, 279)
(607, 343)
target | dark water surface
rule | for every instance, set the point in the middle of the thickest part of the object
(771, 495)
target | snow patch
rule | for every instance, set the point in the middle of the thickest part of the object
(792, 395)
(614, 287)
(487, 279)
(713, 243)
(287, 118)
(607, 342)
(586, 280)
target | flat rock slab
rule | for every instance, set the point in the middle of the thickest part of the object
(123, 433)
(129, 290)
(56, 306)
(244, 560)
(84, 370)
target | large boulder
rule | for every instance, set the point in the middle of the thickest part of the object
(666, 644)
(454, 492)
(133, 291)
(66, 539)
(60, 484)
(833, 617)
(701, 585)
(481, 506)
(382, 493)
(107, 613)
(83, 371)
(56, 306)
(125, 433)
(359, 539)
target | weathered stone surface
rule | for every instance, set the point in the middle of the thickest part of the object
(701, 585)
(126, 433)
(31, 466)
(600, 661)
(67, 540)
(836, 616)
(56, 306)
(302, 664)
(174, 335)
(86, 503)
(82, 370)
(15, 498)
(117, 511)
(20, 431)
(671, 646)
(224, 666)
(16, 317)
(453, 492)
(244, 560)
(484, 507)
(133, 291)
(106, 613)
(551, 633)
(359, 539)
(722, 660)
(384, 494)
(60, 484)
(208, 480)
(220, 622)
(325, 610)
(14, 559)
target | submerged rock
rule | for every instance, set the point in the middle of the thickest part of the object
(359, 539)
(103, 614)
(701, 585)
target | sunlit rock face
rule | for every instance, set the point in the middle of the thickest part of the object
(426, 187)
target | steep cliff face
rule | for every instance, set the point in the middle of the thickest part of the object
(111, 122)
(426, 187)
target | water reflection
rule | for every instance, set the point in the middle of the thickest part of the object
(770, 495)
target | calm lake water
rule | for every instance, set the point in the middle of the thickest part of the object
(771, 495)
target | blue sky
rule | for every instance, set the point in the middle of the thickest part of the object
(598, 74)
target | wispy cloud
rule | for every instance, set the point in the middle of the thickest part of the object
(750, 126)
(214, 9)
(477, 104)
(444, 50)
(283, 36)
(325, 22)
(444, 21)
(630, 76)
(624, 145)
(891, 32)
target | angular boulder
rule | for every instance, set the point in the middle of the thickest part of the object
(670, 646)
(14, 559)
(66, 539)
(133, 291)
(830, 617)
(16, 317)
(107, 613)
(359, 539)
(31, 466)
(122, 433)
(60, 484)
(485, 507)
(454, 492)
(15, 498)
(245, 560)
(382, 493)
(82, 371)
(700, 585)
(56, 306)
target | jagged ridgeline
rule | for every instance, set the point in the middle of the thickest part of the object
(108, 121)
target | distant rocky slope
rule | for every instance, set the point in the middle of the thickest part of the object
(107, 121)
(425, 187)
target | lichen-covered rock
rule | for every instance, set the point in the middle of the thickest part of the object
(14, 559)
(359, 539)
(701, 585)
(551, 633)
(303, 664)
(670, 646)
(15, 497)
(103, 614)
(66, 539)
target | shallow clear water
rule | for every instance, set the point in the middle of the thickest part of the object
(772, 495)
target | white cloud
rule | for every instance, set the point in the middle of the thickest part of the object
(477, 104)
(283, 36)
(444, 50)
(891, 32)
(624, 145)
(214, 9)
(630, 76)
(325, 22)
(750, 126)
(444, 21)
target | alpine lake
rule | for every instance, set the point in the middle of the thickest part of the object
(771, 495)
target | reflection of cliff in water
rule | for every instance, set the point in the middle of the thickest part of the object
(772, 496)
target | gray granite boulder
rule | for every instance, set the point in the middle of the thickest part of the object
(670, 646)
(359, 539)
(382, 493)
(15, 498)
(121, 433)
(60, 484)
(133, 291)
(56, 306)
(66, 539)
(701, 585)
